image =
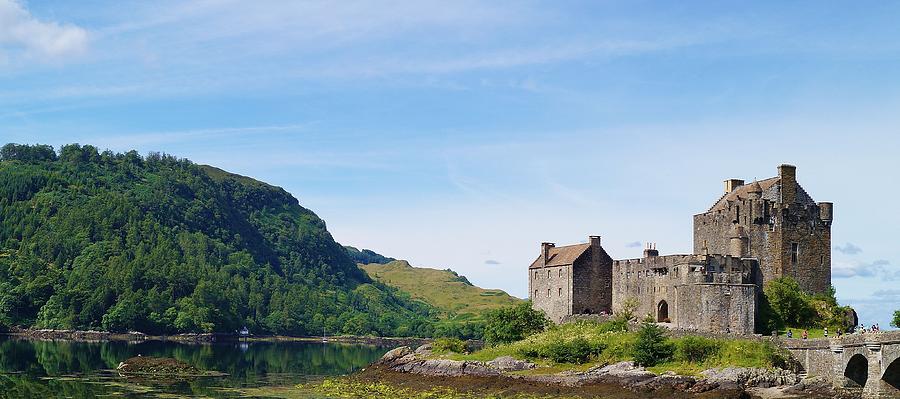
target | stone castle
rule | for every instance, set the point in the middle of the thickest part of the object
(754, 233)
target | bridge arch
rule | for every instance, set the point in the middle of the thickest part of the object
(857, 370)
(891, 374)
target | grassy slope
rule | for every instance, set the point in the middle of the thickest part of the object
(452, 294)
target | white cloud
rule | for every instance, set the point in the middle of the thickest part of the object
(21, 34)
(848, 249)
(880, 268)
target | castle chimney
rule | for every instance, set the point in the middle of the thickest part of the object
(545, 251)
(595, 250)
(650, 250)
(788, 175)
(826, 212)
(732, 184)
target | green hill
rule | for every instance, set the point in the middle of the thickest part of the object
(456, 298)
(101, 240)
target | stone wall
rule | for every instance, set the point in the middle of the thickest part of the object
(551, 290)
(593, 282)
(716, 307)
(706, 292)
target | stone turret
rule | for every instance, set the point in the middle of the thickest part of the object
(738, 242)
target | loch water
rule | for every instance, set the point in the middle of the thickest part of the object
(36, 369)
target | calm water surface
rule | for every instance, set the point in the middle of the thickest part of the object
(62, 369)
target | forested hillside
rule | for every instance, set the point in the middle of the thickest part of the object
(101, 240)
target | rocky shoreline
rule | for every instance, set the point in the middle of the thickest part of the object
(626, 376)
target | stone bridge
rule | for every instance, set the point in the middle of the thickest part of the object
(868, 362)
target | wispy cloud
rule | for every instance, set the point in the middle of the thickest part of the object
(176, 136)
(23, 36)
(848, 249)
(879, 268)
(887, 294)
(491, 262)
(633, 244)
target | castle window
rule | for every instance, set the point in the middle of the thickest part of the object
(535, 294)
(548, 293)
(559, 291)
(560, 272)
(548, 274)
(795, 253)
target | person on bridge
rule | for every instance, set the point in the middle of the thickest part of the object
(826, 332)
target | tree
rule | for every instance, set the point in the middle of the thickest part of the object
(652, 346)
(513, 323)
(896, 321)
(788, 302)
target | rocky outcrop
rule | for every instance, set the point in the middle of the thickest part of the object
(627, 375)
(509, 363)
(751, 377)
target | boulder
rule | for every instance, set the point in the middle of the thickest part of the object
(393, 356)
(424, 350)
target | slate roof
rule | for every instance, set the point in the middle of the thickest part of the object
(771, 190)
(562, 256)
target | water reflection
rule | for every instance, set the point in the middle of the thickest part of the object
(57, 369)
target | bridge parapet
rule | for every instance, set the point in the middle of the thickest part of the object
(870, 361)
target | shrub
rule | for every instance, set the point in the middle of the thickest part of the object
(626, 312)
(896, 321)
(444, 345)
(651, 346)
(512, 323)
(780, 357)
(616, 324)
(577, 350)
(696, 349)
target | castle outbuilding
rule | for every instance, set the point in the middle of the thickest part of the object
(753, 233)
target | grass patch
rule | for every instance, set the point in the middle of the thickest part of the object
(448, 345)
(693, 354)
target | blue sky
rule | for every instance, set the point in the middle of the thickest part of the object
(461, 134)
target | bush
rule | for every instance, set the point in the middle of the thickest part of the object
(577, 350)
(695, 349)
(513, 323)
(780, 357)
(896, 321)
(444, 345)
(651, 346)
(616, 324)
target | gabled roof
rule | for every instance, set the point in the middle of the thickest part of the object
(770, 190)
(562, 256)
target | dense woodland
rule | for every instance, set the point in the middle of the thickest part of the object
(119, 242)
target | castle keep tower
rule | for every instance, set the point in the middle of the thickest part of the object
(774, 221)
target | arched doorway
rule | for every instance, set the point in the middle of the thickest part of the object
(662, 312)
(857, 370)
(892, 375)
